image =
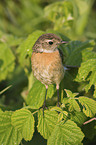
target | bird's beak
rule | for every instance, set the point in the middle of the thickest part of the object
(62, 42)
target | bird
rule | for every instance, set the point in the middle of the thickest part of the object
(47, 61)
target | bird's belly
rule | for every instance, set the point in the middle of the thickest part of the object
(47, 67)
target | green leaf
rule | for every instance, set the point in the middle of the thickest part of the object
(61, 14)
(88, 54)
(82, 14)
(10, 39)
(23, 121)
(89, 106)
(8, 134)
(51, 91)
(58, 109)
(66, 133)
(74, 105)
(70, 94)
(87, 71)
(95, 93)
(25, 49)
(47, 122)
(1, 110)
(79, 118)
(62, 114)
(86, 67)
(69, 16)
(74, 51)
(7, 62)
(71, 100)
(36, 95)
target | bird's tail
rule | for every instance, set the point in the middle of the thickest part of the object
(68, 67)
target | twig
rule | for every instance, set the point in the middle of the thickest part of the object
(1, 92)
(89, 121)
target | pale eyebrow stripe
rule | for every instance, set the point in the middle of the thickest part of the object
(49, 40)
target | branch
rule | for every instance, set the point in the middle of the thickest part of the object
(89, 121)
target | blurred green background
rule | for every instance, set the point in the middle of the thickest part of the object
(76, 19)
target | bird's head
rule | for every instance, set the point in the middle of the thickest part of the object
(47, 43)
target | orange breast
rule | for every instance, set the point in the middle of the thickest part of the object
(45, 58)
(47, 67)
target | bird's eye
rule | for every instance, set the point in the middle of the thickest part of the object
(50, 42)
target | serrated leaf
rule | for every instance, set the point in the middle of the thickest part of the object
(51, 91)
(89, 106)
(60, 117)
(79, 118)
(23, 121)
(86, 72)
(71, 100)
(36, 95)
(26, 47)
(8, 134)
(87, 67)
(66, 133)
(59, 110)
(68, 16)
(47, 122)
(74, 105)
(56, 109)
(7, 62)
(10, 39)
(70, 94)
(88, 53)
(74, 51)
(64, 14)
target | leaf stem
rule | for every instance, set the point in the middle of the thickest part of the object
(29, 107)
(89, 121)
(1, 92)
(35, 111)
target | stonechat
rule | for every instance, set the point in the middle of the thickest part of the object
(47, 61)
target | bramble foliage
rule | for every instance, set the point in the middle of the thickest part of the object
(22, 96)
(88, 66)
(6, 61)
